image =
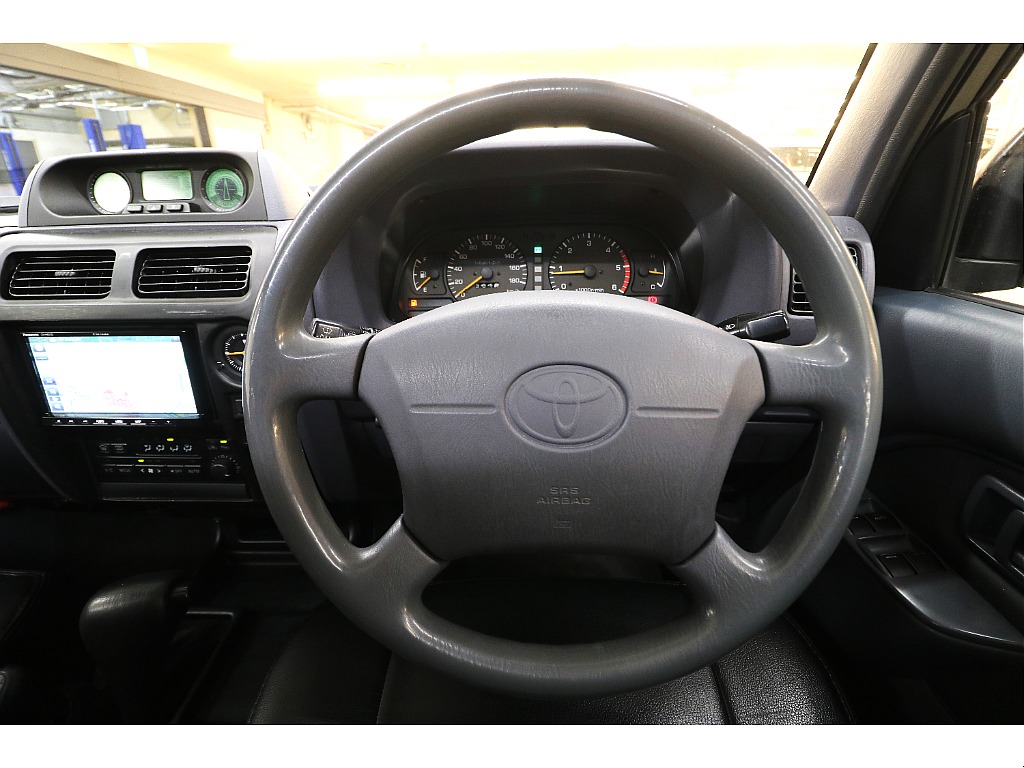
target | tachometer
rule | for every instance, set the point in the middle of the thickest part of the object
(486, 264)
(589, 261)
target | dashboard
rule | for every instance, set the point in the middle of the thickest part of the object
(127, 286)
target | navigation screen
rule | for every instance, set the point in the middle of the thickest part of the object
(99, 376)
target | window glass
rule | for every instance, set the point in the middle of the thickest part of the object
(43, 116)
(784, 96)
(990, 249)
(323, 102)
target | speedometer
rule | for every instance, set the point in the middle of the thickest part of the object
(485, 264)
(589, 261)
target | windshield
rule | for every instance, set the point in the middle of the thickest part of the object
(316, 107)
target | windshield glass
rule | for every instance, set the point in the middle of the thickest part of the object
(316, 104)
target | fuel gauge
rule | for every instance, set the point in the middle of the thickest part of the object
(428, 276)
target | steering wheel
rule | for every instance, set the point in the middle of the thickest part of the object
(540, 422)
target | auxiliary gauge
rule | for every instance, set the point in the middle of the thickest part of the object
(233, 352)
(224, 189)
(110, 192)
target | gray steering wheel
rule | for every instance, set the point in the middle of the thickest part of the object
(539, 427)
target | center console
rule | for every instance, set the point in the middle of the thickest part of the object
(140, 412)
(125, 295)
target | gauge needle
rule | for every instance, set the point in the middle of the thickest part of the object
(571, 272)
(655, 272)
(231, 354)
(467, 287)
(420, 286)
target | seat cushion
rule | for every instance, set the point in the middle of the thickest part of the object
(775, 678)
(331, 672)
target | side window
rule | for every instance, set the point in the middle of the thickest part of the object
(990, 249)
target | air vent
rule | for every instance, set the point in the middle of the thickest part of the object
(58, 275)
(197, 272)
(799, 304)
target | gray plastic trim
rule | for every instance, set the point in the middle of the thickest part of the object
(802, 328)
(953, 352)
(122, 304)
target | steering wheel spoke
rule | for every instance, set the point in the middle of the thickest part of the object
(813, 376)
(307, 368)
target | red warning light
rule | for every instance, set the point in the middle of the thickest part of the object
(653, 299)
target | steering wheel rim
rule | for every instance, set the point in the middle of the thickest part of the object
(736, 593)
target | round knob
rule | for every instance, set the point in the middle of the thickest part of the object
(223, 467)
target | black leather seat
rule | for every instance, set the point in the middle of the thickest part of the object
(330, 672)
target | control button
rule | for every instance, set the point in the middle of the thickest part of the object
(151, 470)
(134, 208)
(324, 330)
(925, 562)
(109, 470)
(125, 469)
(897, 565)
(861, 526)
(885, 523)
(175, 470)
(154, 208)
(193, 471)
(119, 448)
(175, 208)
(104, 448)
(236, 408)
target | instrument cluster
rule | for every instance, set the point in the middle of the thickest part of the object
(456, 265)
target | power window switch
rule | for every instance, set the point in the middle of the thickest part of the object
(885, 523)
(861, 526)
(897, 565)
(925, 562)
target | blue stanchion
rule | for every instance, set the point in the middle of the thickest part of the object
(12, 159)
(94, 134)
(131, 136)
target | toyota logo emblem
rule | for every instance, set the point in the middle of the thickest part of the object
(566, 405)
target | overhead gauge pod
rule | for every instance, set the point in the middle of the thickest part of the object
(224, 189)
